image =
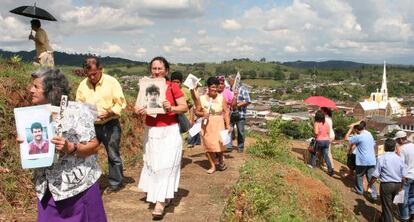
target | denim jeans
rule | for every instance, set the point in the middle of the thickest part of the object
(360, 171)
(240, 133)
(322, 145)
(194, 140)
(407, 208)
(110, 135)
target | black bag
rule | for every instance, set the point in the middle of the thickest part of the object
(182, 120)
(234, 116)
(312, 146)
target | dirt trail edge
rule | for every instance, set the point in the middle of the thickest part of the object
(359, 205)
(201, 197)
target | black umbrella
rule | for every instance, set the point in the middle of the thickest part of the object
(33, 12)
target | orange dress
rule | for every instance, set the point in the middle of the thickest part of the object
(210, 133)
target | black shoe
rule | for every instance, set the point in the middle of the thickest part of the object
(114, 189)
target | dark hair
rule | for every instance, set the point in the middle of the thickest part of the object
(360, 126)
(327, 111)
(151, 89)
(86, 65)
(319, 117)
(389, 145)
(162, 60)
(363, 124)
(36, 125)
(212, 81)
(177, 75)
(55, 84)
(36, 23)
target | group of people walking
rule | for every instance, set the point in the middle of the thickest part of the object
(394, 169)
(69, 190)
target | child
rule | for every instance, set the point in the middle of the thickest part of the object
(390, 170)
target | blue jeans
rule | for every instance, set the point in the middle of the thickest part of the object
(240, 133)
(322, 145)
(407, 208)
(360, 171)
(195, 140)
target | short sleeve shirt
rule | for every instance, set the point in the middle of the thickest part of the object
(365, 148)
(170, 117)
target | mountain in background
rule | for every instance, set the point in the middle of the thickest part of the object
(331, 64)
(63, 58)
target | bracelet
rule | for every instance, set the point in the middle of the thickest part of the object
(75, 147)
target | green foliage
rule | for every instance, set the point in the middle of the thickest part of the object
(341, 124)
(340, 153)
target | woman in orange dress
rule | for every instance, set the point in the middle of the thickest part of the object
(214, 111)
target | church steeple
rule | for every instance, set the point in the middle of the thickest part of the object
(384, 89)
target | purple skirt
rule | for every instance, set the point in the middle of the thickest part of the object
(86, 206)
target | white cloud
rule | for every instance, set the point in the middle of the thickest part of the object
(12, 30)
(140, 52)
(230, 24)
(166, 48)
(179, 42)
(185, 49)
(107, 48)
(290, 49)
(202, 32)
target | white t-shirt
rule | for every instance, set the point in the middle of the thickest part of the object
(407, 156)
(331, 131)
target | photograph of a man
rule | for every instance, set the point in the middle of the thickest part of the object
(38, 144)
(152, 94)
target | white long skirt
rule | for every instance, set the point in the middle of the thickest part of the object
(160, 174)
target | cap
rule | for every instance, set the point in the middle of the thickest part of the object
(400, 134)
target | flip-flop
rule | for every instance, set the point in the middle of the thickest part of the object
(210, 171)
(222, 167)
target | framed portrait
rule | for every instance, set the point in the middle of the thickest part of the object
(34, 127)
(151, 95)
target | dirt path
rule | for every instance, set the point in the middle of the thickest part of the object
(363, 209)
(201, 197)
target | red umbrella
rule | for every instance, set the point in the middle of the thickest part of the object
(320, 101)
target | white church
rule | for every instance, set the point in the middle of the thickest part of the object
(379, 104)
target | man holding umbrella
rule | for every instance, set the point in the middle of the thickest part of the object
(44, 53)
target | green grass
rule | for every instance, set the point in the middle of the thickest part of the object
(262, 193)
(339, 153)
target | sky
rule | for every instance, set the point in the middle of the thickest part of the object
(188, 31)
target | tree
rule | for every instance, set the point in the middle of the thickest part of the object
(294, 76)
(278, 75)
(263, 59)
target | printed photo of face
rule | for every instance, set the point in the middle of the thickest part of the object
(153, 95)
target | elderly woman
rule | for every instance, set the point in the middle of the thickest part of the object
(68, 190)
(160, 174)
(321, 131)
(215, 113)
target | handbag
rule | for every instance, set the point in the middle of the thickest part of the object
(312, 146)
(234, 116)
(182, 120)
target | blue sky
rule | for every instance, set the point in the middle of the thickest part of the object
(190, 31)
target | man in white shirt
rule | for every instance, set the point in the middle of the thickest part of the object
(407, 155)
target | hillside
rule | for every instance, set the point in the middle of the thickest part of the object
(331, 64)
(63, 58)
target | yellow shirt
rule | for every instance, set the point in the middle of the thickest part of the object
(214, 106)
(107, 95)
(42, 43)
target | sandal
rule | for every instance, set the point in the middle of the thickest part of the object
(210, 171)
(222, 167)
(158, 212)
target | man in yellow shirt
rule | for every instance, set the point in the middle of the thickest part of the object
(105, 92)
(44, 53)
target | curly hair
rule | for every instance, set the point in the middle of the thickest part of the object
(55, 84)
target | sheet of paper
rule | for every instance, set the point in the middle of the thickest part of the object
(225, 137)
(196, 128)
(191, 81)
(399, 198)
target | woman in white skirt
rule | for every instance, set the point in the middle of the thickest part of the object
(160, 174)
